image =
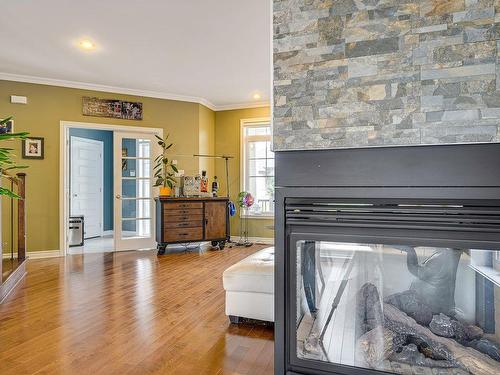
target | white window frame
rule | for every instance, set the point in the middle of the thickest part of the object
(245, 123)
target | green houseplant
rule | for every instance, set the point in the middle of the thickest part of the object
(164, 169)
(7, 163)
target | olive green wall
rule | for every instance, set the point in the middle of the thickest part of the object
(227, 142)
(47, 106)
(207, 141)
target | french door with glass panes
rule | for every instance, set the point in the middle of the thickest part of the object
(134, 219)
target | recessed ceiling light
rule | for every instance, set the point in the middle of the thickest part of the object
(256, 96)
(86, 44)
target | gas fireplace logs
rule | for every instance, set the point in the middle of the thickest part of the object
(393, 339)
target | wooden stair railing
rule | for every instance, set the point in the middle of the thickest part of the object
(21, 216)
(20, 183)
(10, 278)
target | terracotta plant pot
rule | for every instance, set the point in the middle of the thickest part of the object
(165, 192)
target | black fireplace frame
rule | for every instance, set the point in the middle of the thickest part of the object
(442, 173)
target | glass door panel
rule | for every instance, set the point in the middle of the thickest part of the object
(134, 217)
(397, 308)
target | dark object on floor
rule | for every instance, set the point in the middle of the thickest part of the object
(161, 249)
(410, 303)
(487, 347)
(218, 244)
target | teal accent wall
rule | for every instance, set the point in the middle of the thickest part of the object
(107, 138)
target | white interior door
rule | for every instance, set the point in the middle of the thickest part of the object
(86, 185)
(133, 185)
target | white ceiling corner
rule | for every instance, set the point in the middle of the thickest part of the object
(216, 53)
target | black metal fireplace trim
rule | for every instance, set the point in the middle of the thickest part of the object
(299, 233)
(424, 172)
(417, 166)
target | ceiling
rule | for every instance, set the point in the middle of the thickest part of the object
(215, 52)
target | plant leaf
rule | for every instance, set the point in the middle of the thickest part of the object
(6, 120)
(8, 193)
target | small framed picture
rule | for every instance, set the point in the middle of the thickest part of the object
(33, 148)
(8, 127)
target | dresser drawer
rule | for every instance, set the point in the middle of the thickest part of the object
(182, 205)
(183, 224)
(184, 234)
(181, 218)
(183, 211)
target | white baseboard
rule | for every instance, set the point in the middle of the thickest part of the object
(108, 232)
(37, 254)
(258, 240)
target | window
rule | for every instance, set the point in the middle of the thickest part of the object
(258, 166)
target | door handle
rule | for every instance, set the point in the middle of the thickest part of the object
(118, 196)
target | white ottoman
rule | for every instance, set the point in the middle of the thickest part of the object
(249, 286)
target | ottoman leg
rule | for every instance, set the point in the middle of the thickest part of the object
(234, 319)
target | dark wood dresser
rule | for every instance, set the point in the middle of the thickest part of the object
(182, 220)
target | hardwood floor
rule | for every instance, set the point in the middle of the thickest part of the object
(129, 313)
(8, 267)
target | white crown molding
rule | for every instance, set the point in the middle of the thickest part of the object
(127, 91)
(104, 88)
(230, 107)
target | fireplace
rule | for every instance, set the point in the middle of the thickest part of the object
(388, 260)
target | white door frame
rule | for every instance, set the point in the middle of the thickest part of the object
(101, 208)
(64, 167)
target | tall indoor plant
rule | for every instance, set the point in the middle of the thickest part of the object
(6, 157)
(164, 168)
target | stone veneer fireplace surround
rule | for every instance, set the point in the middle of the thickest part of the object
(352, 77)
(361, 73)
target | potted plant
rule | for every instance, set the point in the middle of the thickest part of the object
(6, 162)
(164, 169)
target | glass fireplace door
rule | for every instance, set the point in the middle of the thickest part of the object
(396, 308)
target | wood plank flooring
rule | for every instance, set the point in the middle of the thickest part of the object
(129, 313)
(8, 267)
